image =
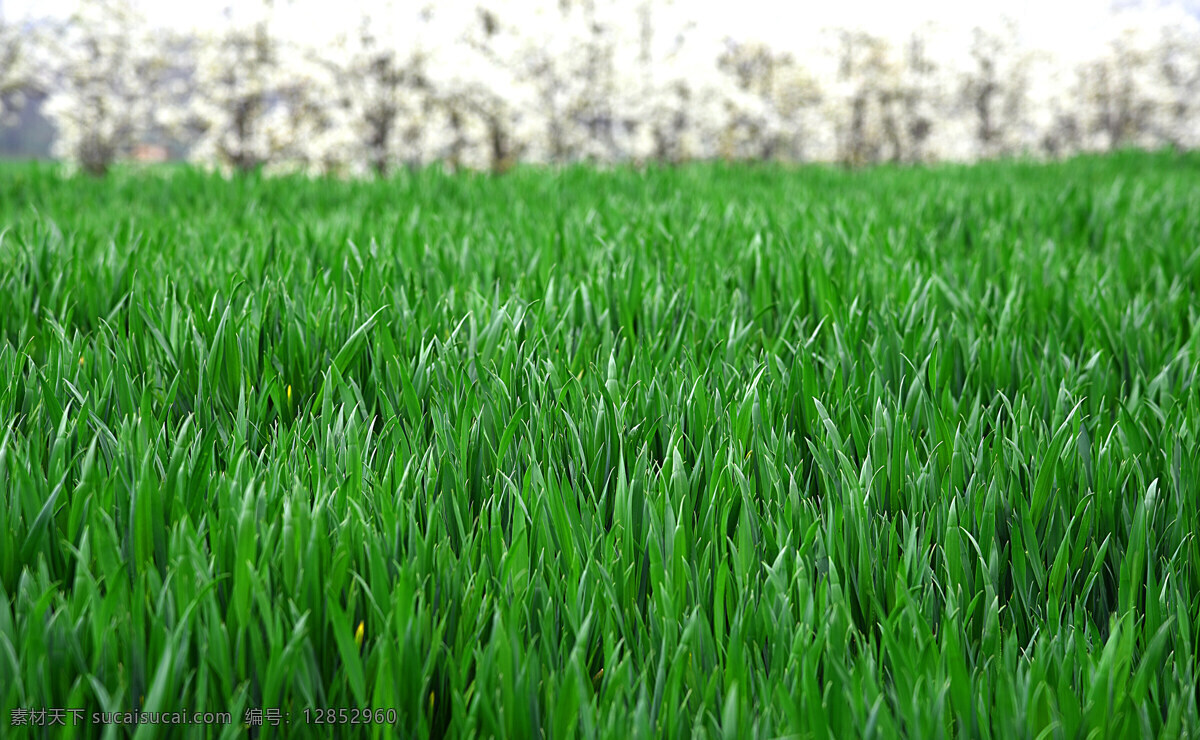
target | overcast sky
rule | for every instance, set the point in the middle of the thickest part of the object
(1068, 27)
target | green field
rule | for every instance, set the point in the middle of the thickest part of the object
(697, 452)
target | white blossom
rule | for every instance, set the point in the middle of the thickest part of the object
(485, 84)
(15, 70)
(106, 69)
(384, 89)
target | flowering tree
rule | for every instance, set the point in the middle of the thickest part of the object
(257, 99)
(994, 90)
(230, 106)
(14, 70)
(565, 56)
(1117, 94)
(485, 83)
(1178, 62)
(106, 69)
(860, 106)
(673, 96)
(755, 125)
(485, 108)
(920, 123)
(382, 67)
(311, 128)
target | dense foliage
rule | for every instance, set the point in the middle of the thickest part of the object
(757, 452)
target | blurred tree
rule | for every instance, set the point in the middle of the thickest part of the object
(568, 58)
(105, 69)
(864, 89)
(1177, 57)
(255, 98)
(385, 86)
(484, 84)
(754, 127)
(14, 71)
(230, 106)
(994, 88)
(918, 102)
(479, 96)
(1117, 94)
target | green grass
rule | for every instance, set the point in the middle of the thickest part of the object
(740, 452)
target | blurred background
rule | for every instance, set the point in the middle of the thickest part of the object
(368, 86)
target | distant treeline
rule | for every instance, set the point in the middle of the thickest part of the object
(481, 85)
